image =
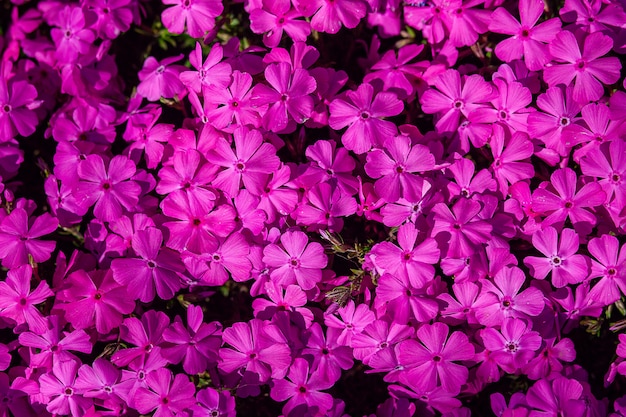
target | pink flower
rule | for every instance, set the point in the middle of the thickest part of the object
(331, 14)
(18, 238)
(587, 67)
(17, 104)
(232, 106)
(328, 356)
(71, 37)
(54, 345)
(513, 346)
(156, 268)
(352, 320)
(610, 266)
(250, 162)
(160, 79)
(211, 72)
(302, 387)
(229, 259)
(324, 206)
(168, 397)
(276, 17)
(413, 261)
(568, 202)
(94, 298)
(59, 388)
(431, 362)
(508, 106)
(18, 302)
(508, 166)
(455, 98)
(258, 347)
(288, 98)
(145, 334)
(108, 185)
(99, 380)
(296, 261)
(561, 259)
(608, 163)
(464, 229)
(196, 345)
(529, 39)
(505, 298)
(363, 115)
(399, 167)
(198, 222)
(198, 15)
(335, 162)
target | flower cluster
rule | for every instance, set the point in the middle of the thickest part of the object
(253, 201)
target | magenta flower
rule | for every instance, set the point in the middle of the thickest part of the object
(108, 185)
(609, 265)
(559, 396)
(529, 38)
(323, 207)
(83, 125)
(399, 167)
(379, 335)
(431, 363)
(198, 15)
(331, 14)
(145, 334)
(196, 345)
(99, 380)
(276, 17)
(71, 36)
(54, 345)
(232, 106)
(597, 126)
(508, 106)
(114, 16)
(505, 298)
(466, 184)
(554, 125)
(463, 228)
(156, 270)
(508, 166)
(189, 172)
(18, 238)
(214, 403)
(302, 387)
(411, 259)
(198, 223)
(585, 66)
(149, 137)
(288, 99)
(398, 298)
(18, 302)
(211, 72)
(336, 163)
(363, 114)
(566, 202)
(229, 259)
(548, 361)
(328, 356)
(94, 298)
(17, 104)
(513, 346)
(59, 388)
(168, 397)
(160, 79)
(296, 261)
(258, 347)
(608, 164)
(455, 98)
(352, 320)
(397, 73)
(250, 163)
(561, 259)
